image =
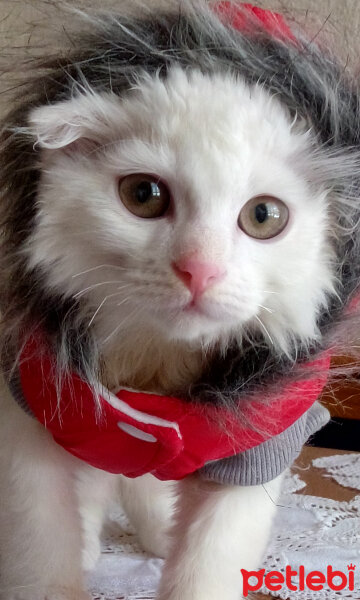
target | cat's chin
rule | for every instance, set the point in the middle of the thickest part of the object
(195, 326)
(203, 321)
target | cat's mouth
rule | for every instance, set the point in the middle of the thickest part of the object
(193, 307)
(209, 309)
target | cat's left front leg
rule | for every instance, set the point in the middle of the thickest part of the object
(219, 530)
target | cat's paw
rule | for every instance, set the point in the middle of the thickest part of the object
(154, 535)
(154, 542)
(90, 555)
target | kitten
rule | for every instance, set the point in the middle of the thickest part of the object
(179, 203)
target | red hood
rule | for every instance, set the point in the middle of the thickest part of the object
(135, 433)
(246, 17)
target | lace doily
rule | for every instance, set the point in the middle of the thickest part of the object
(345, 469)
(308, 530)
(125, 571)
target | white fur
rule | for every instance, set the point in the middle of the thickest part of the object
(219, 530)
(149, 504)
(51, 516)
(41, 542)
(217, 143)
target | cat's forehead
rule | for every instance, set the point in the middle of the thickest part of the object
(189, 107)
(213, 132)
(187, 110)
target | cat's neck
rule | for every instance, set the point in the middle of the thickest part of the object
(146, 361)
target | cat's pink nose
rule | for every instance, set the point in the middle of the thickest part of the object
(197, 275)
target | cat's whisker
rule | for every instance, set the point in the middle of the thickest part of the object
(266, 308)
(98, 267)
(100, 307)
(123, 301)
(137, 310)
(96, 285)
(97, 312)
(105, 341)
(264, 328)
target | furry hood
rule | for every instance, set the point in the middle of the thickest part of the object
(111, 54)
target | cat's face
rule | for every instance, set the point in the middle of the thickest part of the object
(154, 209)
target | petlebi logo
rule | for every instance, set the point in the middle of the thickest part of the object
(275, 581)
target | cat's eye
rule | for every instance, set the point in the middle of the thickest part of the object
(144, 196)
(263, 217)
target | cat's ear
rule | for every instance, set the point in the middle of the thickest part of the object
(89, 118)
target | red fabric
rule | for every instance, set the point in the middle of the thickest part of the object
(204, 433)
(246, 17)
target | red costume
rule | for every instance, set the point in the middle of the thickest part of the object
(135, 433)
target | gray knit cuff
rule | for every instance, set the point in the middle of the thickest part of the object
(266, 461)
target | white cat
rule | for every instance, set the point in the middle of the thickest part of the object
(168, 196)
